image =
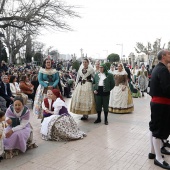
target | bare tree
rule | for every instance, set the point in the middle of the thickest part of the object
(32, 14)
(140, 48)
(38, 46)
(14, 40)
(18, 18)
(149, 49)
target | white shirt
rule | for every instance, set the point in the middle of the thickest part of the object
(14, 88)
(102, 76)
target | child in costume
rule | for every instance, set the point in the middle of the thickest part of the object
(47, 105)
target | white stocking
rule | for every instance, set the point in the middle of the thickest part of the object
(156, 145)
(161, 144)
(151, 144)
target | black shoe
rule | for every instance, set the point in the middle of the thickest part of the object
(68, 96)
(164, 165)
(84, 118)
(1, 158)
(153, 156)
(97, 121)
(166, 144)
(106, 122)
(164, 151)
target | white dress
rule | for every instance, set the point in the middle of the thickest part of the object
(83, 101)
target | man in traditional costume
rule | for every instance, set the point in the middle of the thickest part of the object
(160, 108)
(103, 84)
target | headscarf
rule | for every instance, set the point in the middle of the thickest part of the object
(57, 93)
(105, 68)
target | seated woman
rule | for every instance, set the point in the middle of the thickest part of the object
(18, 132)
(26, 87)
(15, 89)
(60, 126)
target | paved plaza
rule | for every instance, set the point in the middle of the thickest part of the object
(122, 145)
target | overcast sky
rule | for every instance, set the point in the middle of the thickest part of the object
(105, 23)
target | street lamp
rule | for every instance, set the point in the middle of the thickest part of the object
(121, 50)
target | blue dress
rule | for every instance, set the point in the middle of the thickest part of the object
(48, 77)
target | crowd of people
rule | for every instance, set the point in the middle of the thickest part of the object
(91, 89)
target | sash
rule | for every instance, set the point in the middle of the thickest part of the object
(160, 100)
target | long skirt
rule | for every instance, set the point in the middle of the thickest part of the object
(18, 140)
(39, 96)
(60, 128)
(143, 82)
(83, 101)
(120, 101)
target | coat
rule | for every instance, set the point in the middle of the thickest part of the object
(25, 88)
(108, 83)
(2, 91)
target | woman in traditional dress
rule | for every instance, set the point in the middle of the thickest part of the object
(134, 73)
(18, 132)
(48, 79)
(120, 97)
(83, 102)
(143, 79)
(60, 126)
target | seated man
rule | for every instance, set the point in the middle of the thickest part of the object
(5, 91)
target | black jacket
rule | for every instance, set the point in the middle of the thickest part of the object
(2, 91)
(160, 81)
